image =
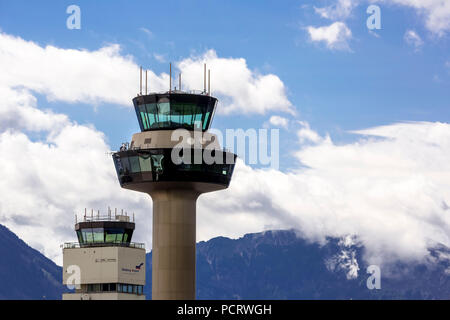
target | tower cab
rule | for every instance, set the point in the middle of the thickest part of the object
(104, 264)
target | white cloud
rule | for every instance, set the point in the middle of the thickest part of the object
(278, 121)
(160, 58)
(18, 112)
(147, 32)
(342, 9)
(335, 36)
(306, 134)
(390, 188)
(67, 74)
(436, 13)
(241, 90)
(46, 180)
(413, 39)
(53, 167)
(105, 75)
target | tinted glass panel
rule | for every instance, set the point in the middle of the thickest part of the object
(144, 117)
(126, 165)
(98, 235)
(152, 113)
(164, 114)
(176, 116)
(87, 235)
(198, 121)
(113, 235)
(134, 163)
(80, 237)
(205, 122)
(130, 288)
(166, 111)
(145, 163)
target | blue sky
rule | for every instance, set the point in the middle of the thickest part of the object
(380, 80)
(72, 90)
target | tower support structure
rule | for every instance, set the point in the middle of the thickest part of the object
(174, 123)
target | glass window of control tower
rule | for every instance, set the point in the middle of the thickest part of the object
(173, 114)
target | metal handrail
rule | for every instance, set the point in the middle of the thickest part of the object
(189, 91)
(90, 218)
(138, 148)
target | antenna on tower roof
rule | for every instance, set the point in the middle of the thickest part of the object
(140, 82)
(179, 81)
(170, 77)
(204, 77)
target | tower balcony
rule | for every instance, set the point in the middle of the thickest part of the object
(136, 167)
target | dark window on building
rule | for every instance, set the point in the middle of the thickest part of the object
(145, 163)
(134, 163)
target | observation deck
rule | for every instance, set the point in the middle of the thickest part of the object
(148, 159)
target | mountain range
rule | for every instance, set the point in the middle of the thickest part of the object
(267, 265)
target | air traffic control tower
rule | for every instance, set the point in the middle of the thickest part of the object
(104, 264)
(151, 164)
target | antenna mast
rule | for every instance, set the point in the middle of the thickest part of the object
(140, 82)
(170, 77)
(204, 77)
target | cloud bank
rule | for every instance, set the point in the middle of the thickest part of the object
(46, 180)
(435, 12)
(241, 90)
(106, 76)
(390, 189)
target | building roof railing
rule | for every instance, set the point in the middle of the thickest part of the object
(198, 92)
(111, 216)
(126, 146)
